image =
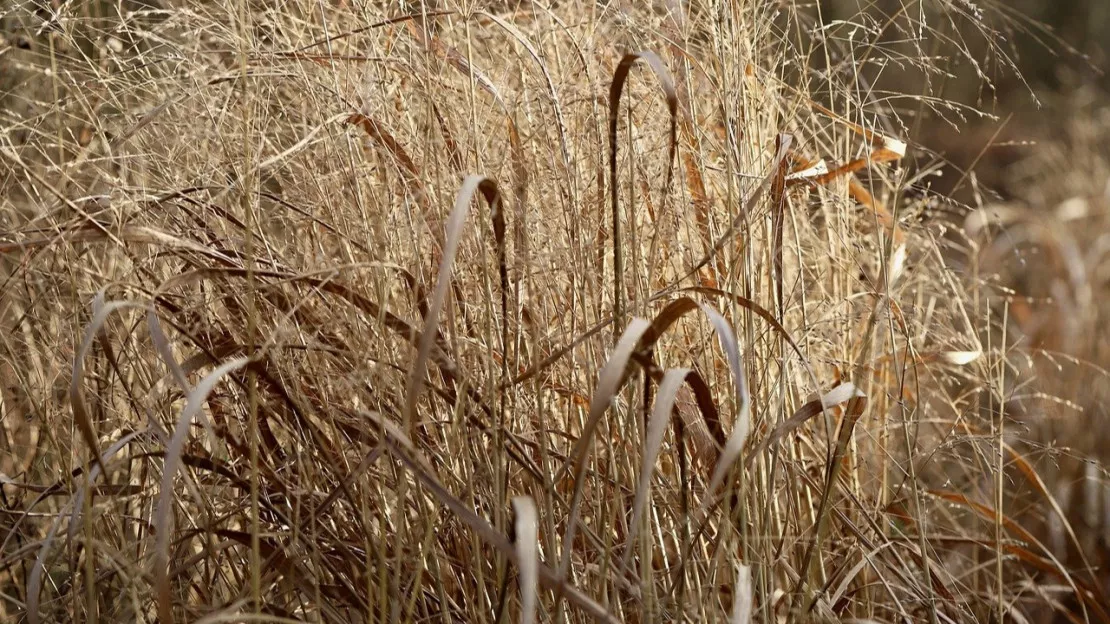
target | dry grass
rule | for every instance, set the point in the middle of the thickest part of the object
(346, 312)
(1044, 254)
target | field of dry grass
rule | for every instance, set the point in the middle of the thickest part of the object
(538, 311)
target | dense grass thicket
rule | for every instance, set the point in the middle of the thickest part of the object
(541, 311)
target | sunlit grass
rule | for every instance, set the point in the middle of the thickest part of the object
(349, 313)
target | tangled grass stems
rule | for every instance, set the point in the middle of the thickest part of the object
(273, 411)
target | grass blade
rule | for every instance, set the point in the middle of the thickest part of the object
(742, 425)
(101, 312)
(666, 82)
(470, 186)
(610, 381)
(657, 426)
(526, 539)
(163, 513)
(742, 596)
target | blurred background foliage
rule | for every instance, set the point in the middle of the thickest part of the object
(1026, 65)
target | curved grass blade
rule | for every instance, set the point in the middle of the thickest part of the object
(708, 436)
(454, 156)
(552, 92)
(611, 379)
(852, 413)
(34, 582)
(1038, 483)
(676, 26)
(647, 337)
(101, 311)
(727, 339)
(162, 516)
(369, 307)
(842, 394)
(470, 186)
(447, 368)
(762, 313)
(834, 398)
(664, 320)
(162, 346)
(640, 336)
(657, 426)
(136, 234)
(79, 501)
(778, 217)
(742, 426)
(666, 82)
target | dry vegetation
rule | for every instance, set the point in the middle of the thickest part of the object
(332, 311)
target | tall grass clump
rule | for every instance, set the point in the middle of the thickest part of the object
(504, 311)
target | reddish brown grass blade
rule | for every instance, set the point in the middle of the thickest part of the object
(852, 413)
(407, 167)
(1056, 566)
(615, 372)
(454, 156)
(641, 337)
(778, 217)
(696, 410)
(886, 219)
(1035, 480)
(620, 76)
(842, 394)
(368, 306)
(555, 355)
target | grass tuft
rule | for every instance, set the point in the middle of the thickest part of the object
(718, 355)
